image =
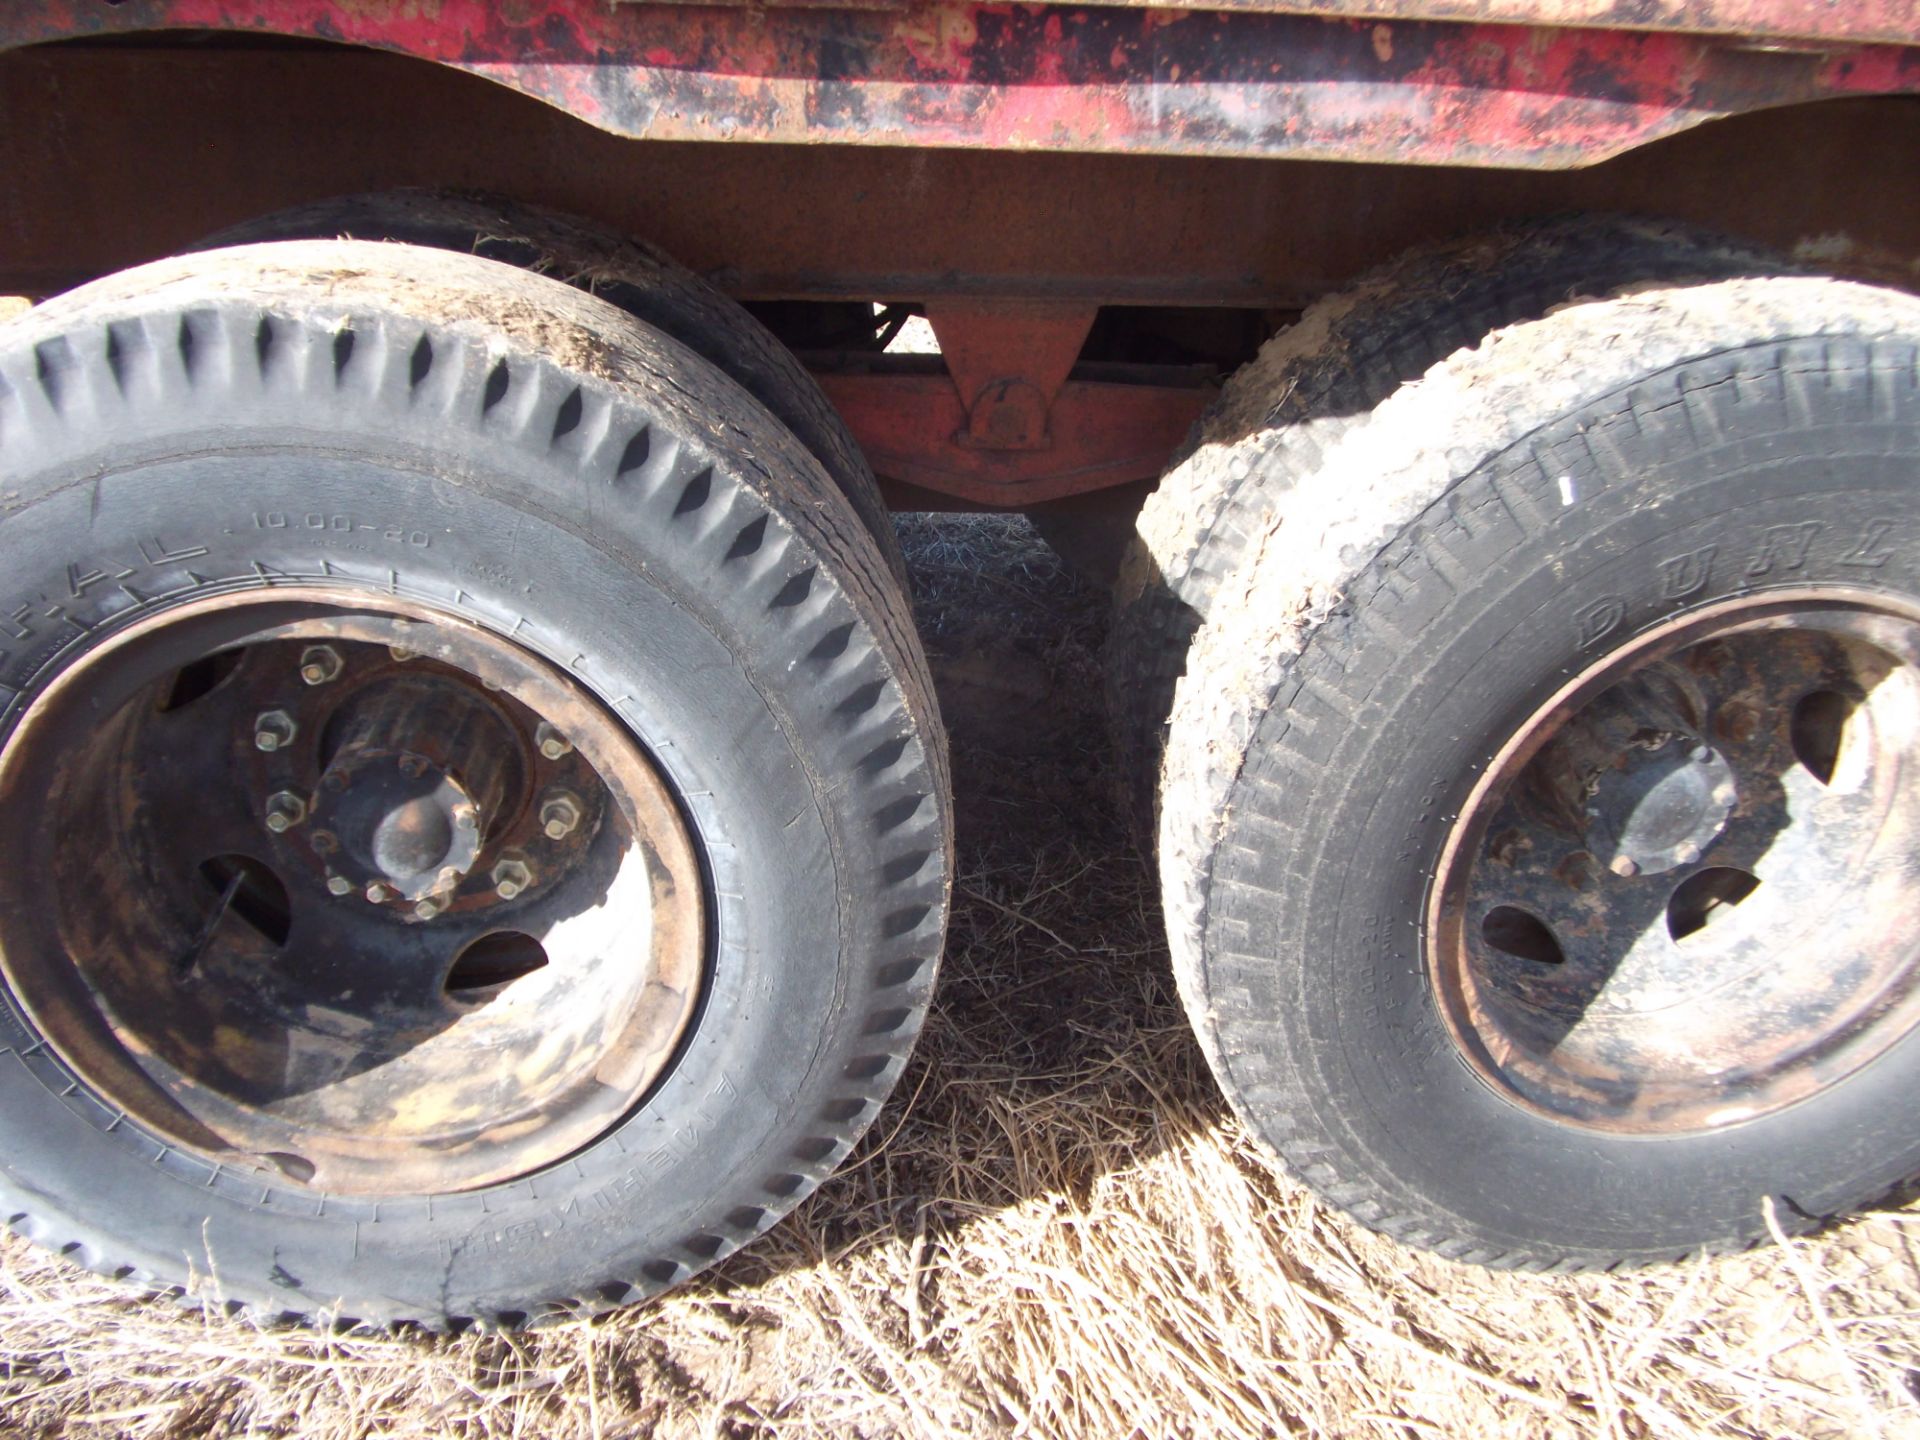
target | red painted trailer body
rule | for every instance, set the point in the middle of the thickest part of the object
(977, 153)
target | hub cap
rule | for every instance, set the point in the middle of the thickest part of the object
(346, 889)
(1687, 892)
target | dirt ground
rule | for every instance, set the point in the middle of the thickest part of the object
(1056, 1228)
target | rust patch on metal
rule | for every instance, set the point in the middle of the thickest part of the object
(106, 152)
(1133, 80)
(1887, 20)
(1008, 360)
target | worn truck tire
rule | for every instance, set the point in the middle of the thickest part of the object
(591, 664)
(1538, 834)
(623, 271)
(1308, 388)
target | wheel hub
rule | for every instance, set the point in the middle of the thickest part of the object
(403, 825)
(390, 819)
(1662, 808)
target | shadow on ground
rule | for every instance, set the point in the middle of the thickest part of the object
(1056, 1047)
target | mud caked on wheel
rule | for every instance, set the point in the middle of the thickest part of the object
(649, 285)
(1311, 385)
(473, 808)
(1539, 832)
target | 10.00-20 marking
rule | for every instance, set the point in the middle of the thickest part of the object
(334, 522)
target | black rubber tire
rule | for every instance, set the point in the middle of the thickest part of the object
(641, 280)
(1433, 585)
(715, 573)
(1310, 386)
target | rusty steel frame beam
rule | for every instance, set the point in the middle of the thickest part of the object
(1032, 77)
(916, 431)
(116, 155)
(1860, 21)
(1005, 425)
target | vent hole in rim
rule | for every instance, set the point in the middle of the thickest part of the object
(199, 679)
(1818, 730)
(1698, 896)
(495, 960)
(1513, 931)
(258, 898)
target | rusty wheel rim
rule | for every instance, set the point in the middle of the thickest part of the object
(1686, 893)
(346, 890)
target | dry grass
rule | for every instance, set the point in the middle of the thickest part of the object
(1056, 1228)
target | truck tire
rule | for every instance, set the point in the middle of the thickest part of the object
(641, 280)
(476, 811)
(1539, 833)
(1312, 384)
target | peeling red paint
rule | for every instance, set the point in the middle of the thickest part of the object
(1090, 78)
(1099, 435)
(1843, 21)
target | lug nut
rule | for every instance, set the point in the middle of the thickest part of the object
(426, 909)
(324, 842)
(339, 885)
(511, 875)
(320, 663)
(560, 815)
(552, 743)
(273, 730)
(402, 653)
(1686, 852)
(1623, 866)
(284, 811)
(376, 893)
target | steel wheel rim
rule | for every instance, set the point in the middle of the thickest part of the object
(1672, 928)
(491, 918)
